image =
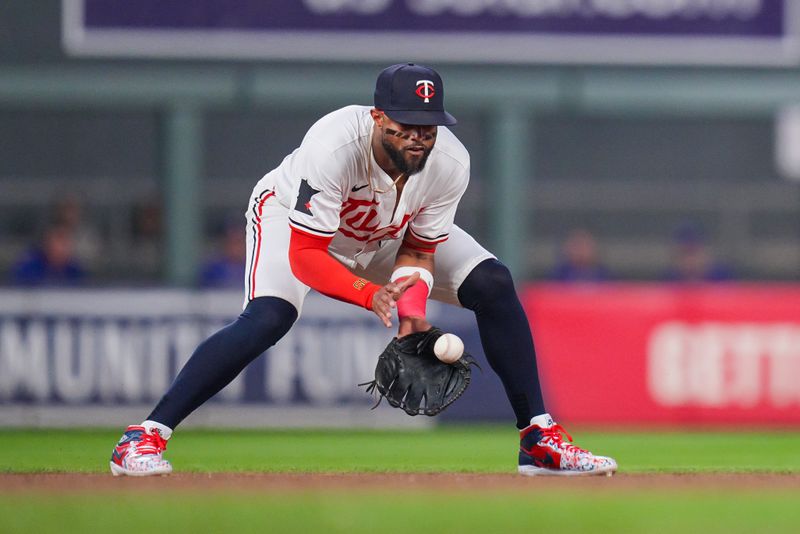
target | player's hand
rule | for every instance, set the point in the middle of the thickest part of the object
(385, 299)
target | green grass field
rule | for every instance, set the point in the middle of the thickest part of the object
(578, 505)
(477, 449)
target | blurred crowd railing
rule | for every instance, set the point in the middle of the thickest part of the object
(119, 239)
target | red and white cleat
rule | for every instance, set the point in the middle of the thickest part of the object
(543, 451)
(138, 454)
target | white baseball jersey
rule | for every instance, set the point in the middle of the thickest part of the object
(322, 188)
(324, 183)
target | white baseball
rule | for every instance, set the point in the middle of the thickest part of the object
(448, 348)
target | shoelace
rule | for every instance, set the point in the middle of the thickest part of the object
(554, 433)
(152, 441)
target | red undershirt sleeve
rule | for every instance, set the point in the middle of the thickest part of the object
(315, 267)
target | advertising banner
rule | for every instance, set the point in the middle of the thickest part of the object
(607, 354)
(512, 31)
(669, 354)
(68, 353)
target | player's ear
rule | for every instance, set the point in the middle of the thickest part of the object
(377, 116)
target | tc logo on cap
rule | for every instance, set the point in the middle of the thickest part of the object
(425, 90)
(412, 94)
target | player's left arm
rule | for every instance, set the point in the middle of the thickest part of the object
(429, 227)
(414, 256)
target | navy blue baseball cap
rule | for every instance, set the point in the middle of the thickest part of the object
(412, 94)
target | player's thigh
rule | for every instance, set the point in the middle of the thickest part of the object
(268, 273)
(454, 260)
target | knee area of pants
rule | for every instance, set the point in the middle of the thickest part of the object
(491, 280)
(268, 318)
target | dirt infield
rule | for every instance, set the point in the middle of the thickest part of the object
(262, 482)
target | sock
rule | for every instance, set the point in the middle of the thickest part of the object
(220, 358)
(543, 420)
(505, 336)
(164, 431)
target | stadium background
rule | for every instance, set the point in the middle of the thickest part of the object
(648, 149)
(649, 133)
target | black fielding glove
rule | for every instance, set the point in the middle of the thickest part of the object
(412, 378)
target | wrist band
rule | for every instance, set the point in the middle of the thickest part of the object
(424, 275)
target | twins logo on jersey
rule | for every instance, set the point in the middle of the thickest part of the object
(359, 220)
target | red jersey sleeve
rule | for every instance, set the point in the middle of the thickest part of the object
(315, 267)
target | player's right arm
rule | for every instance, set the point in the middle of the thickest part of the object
(314, 266)
(314, 221)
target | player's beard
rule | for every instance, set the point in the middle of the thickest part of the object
(398, 158)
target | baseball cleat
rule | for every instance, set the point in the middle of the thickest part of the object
(543, 451)
(138, 454)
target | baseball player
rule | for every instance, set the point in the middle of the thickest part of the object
(362, 211)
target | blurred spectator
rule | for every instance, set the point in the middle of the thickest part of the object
(52, 262)
(227, 268)
(147, 239)
(68, 212)
(692, 260)
(579, 261)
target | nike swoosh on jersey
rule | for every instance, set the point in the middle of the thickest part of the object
(358, 187)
